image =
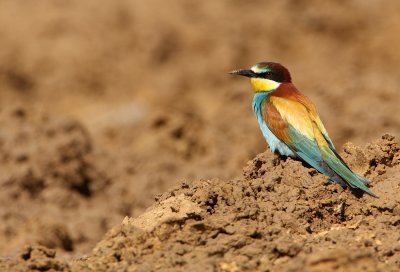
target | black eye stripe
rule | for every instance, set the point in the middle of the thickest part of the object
(272, 75)
(271, 70)
(267, 74)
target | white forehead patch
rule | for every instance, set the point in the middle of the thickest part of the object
(257, 69)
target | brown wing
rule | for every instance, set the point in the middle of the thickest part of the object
(275, 122)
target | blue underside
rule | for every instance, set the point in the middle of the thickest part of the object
(274, 143)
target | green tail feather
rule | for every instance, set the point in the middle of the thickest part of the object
(361, 178)
(336, 164)
(327, 161)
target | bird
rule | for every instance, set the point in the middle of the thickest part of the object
(292, 127)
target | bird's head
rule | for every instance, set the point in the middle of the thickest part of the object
(265, 76)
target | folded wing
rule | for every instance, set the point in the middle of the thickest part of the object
(293, 119)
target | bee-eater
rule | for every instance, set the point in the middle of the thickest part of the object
(290, 123)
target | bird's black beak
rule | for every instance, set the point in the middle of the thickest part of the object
(243, 72)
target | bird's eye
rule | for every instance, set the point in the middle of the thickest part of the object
(267, 74)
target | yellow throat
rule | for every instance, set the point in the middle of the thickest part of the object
(263, 84)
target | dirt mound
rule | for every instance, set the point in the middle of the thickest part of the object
(36, 258)
(134, 99)
(280, 215)
(52, 183)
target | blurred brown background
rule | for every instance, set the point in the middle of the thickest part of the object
(105, 104)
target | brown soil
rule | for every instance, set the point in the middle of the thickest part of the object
(106, 104)
(279, 216)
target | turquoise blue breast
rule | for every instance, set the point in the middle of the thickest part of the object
(274, 143)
